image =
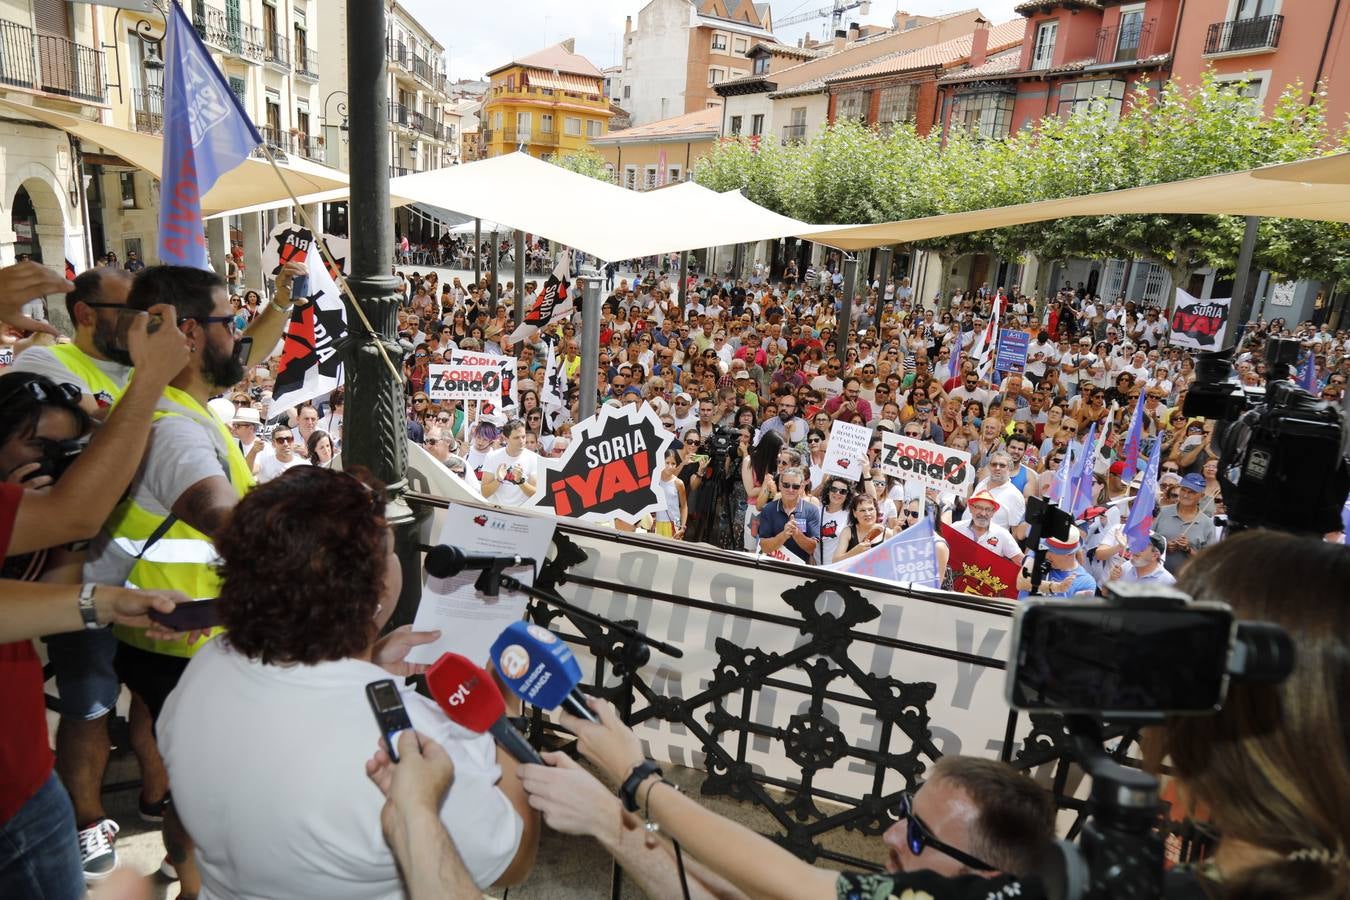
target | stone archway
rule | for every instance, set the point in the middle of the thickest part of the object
(38, 218)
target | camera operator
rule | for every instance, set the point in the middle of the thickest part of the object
(1273, 767)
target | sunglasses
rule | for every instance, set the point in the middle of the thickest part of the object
(791, 486)
(283, 439)
(918, 836)
(836, 489)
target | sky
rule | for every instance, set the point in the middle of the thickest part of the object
(483, 36)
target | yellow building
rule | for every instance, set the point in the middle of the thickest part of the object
(548, 103)
(660, 153)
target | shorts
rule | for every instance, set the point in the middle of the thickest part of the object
(663, 528)
(86, 681)
(150, 676)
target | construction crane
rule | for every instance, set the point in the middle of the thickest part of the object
(835, 14)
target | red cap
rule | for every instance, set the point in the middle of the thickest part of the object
(1118, 468)
(465, 692)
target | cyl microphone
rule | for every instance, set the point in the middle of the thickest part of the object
(445, 560)
(540, 669)
(467, 694)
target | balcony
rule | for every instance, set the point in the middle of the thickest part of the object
(1240, 37)
(277, 51)
(399, 54)
(428, 126)
(310, 146)
(306, 63)
(422, 71)
(279, 141)
(147, 106)
(400, 115)
(53, 65)
(396, 171)
(794, 134)
(215, 28)
(530, 137)
(250, 43)
(1126, 42)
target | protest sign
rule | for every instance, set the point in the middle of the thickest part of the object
(507, 365)
(453, 382)
(846, 453)
(1199, 324)
(910, 556)
(978, 570)
(1012, 350)
(931, 465)
(310, 365)
(610, 469)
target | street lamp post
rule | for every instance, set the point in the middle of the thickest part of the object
(846, 311)
(590, 341)
(376, 434)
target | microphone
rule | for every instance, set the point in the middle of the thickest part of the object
(467, 695)
(540, 669)
(445, 560)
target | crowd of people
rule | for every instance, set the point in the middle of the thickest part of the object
(145, 464)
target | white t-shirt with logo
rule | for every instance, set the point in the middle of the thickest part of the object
(508, 493)
(270, 467)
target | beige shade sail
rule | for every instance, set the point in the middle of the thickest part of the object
(252, 182)
(1311, 189)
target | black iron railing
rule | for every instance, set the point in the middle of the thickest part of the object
(422, 70)
(793, 134)
(401, 115)
(1126, 42)
(147, 105)
(396, 171)
(1262, 33)
(277, 50)
(398, 53)
(306, 63)
(45, 62)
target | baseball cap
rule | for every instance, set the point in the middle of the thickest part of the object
(886, 425)
(1159, 542)
(1194, 481)
(741, 374)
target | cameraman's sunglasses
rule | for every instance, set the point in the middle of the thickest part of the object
(919, 836)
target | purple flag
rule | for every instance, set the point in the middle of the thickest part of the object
(1060, 487)
(206, 133)
(1139, 523)
(1083, 474)
(954, 364)
(1129, 453)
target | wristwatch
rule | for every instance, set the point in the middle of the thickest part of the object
(628, 790)
(87, 611)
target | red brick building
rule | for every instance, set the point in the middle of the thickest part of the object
(904, 86)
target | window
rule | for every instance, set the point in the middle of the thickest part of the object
(736, 124)
(985, 114)
(592, 128)
(716, 76)
(1254, 9)
(851, 105)
(630, 177)
(649, 180)
(1043, 50)
(796, 130)
(239, 86)
(128, 184)
(572, 125)
(897, 104)
(673, 175)
(740, 45)
(1080, 96)
(497, 120)
(627, 91)
(546, 123)
(1251, 85)
(1130, 33)
(757, 123)
(719, 43)
(762, 65)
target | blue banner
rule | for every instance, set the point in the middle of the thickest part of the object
(910, 556)
(206, 133)
(1012, 350)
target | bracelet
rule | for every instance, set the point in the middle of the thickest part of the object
(88, 614)
(648, 825)
(281, 309)
(628, 789)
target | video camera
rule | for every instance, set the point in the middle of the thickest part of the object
(722, 445)
(1282, 460)
(1143, 655)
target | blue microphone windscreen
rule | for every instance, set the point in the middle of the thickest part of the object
(535, 664)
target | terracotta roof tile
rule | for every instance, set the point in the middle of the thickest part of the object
(699, 122)
(556, 57)
(1001, 37)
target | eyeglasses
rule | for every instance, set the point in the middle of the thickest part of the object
(918, 835)
(209, 320)
(879, 482)
(60, 393)
(836, 489)
(419, 399)
(791, 486)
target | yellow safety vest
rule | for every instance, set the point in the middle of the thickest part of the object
(178, 557)
(94, 380)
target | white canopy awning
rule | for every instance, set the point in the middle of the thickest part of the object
(1316, 189)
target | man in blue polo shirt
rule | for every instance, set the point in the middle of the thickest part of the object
(789, 523)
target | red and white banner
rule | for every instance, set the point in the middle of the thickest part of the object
(977, 570)
(309, 365)
(931, 465)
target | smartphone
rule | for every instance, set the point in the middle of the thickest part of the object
(1111, 659)
(390, 714)
(195, 615)
(300, 287)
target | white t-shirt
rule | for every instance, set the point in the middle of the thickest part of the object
(830, 387)
(507, 493)
(267, 764)
(42, 361)
(270, 467)
(997, 538)
(831, 524)
(1012, 505)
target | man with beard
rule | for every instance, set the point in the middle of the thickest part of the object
(190, 479)
(93, 361)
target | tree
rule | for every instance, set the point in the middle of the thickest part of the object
(585, 161)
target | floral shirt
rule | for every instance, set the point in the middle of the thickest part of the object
(931, 886)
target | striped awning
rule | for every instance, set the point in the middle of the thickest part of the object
(562, 81)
